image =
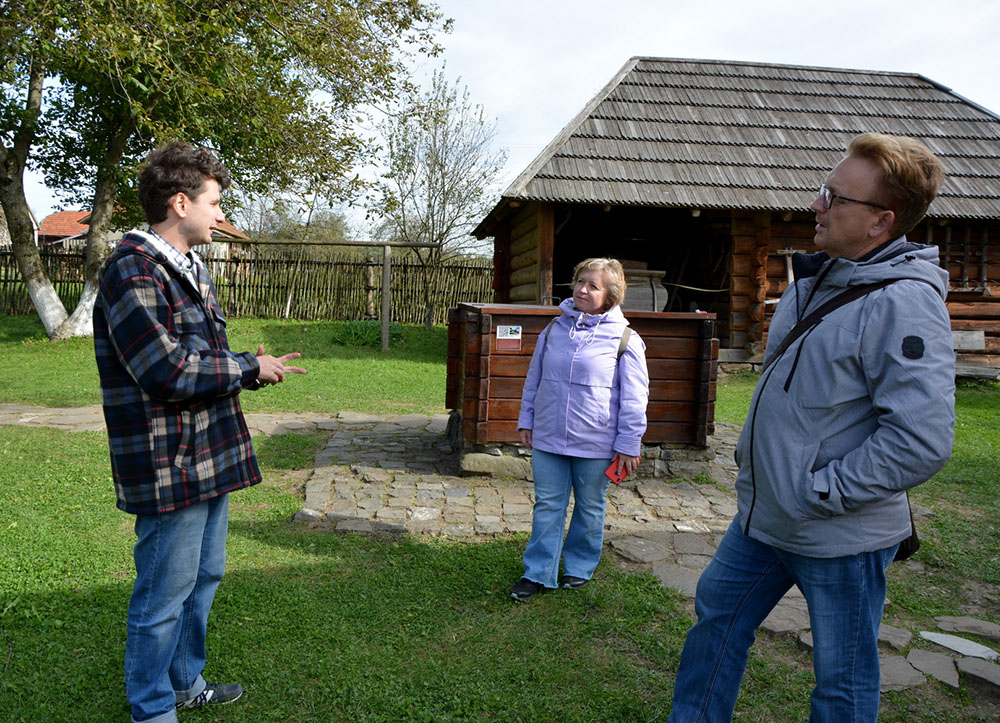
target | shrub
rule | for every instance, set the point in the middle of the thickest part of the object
(364, 333)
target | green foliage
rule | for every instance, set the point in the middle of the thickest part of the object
(364, 333)
(274, 86)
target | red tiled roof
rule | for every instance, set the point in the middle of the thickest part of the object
(70, 223)
(63, 224)
(227, 229)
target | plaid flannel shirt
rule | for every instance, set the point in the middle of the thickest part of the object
(169, 383)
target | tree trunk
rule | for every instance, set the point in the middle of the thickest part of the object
(43, 295)
(80, 323)
(22, 236)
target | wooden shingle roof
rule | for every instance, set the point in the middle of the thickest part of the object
(757, 136)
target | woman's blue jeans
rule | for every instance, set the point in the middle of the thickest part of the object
(740, 587)
(180, 557)
(555, 476)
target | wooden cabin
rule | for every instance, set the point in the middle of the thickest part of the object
(703, 171)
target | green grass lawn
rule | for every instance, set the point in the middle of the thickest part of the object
(322, 626)
(409, 378)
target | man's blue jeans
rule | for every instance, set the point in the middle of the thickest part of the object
(555, 476)
(738, 589)
(180, 557)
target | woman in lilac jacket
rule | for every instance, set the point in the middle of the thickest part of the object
(583, 406)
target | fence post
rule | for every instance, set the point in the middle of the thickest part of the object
(386, 294)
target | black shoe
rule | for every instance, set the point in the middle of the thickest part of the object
(213, 694)
(572, 583)
(525, 590)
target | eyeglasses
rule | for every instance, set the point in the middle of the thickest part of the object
(828, 197)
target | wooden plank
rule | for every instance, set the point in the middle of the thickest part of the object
(503, 431)
(986, 309)
(669, 432)
(983, 325)
(546, 246)
(482, 432)
(524, 245)
(475, 388)
(671, 348)
(672, 369)
(470, 409)
(651, 328)
(670, 412)
(468, 430)
(656, 432)
(525, 292)
(744, 244)
(524, 259)
(743, 286)
(524, 275)
(523, 225)
(969, 340)
(506, 388)
(503, 409)
(511, 366)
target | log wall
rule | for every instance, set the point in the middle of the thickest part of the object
(970, 252)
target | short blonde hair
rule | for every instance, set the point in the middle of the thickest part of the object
(614, 278)
(911, 175)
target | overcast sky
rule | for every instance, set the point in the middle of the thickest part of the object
(533, 64)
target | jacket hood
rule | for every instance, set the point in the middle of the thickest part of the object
(138, 242)
(582, 319)
(899, 259)
(580, 322)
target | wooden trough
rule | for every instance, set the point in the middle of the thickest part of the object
(490, 347)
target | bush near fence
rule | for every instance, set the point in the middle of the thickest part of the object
(296, 288)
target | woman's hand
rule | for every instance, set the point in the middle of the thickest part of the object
(525, 437)
(630, 463)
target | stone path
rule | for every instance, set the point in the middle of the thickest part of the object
(398, 473)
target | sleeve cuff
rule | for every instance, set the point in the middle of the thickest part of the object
(251, 369)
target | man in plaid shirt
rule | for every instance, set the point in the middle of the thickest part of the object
(179, 441)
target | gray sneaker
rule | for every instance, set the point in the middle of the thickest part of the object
(525, 589)
(212, 695)
(572, 583)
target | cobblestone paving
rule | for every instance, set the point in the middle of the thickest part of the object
(400, 473)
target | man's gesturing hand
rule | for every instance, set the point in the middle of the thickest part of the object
(273, 369)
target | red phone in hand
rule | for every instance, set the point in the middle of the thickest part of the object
(613, 474)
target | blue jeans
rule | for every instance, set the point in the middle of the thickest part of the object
(555, 475)
(742, 584)
(180, 557)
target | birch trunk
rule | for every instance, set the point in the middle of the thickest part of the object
(13, 160)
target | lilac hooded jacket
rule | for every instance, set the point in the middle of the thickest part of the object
(579, 399)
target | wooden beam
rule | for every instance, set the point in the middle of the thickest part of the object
(546, 248)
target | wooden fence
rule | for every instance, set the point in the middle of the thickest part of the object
(297, 288)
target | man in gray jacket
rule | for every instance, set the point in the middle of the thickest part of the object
(845, 419)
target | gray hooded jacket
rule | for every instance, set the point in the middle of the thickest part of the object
(853, 413)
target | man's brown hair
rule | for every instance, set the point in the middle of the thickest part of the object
(911, 175)
(176, 168)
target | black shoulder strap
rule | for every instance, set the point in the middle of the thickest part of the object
(845, 297)
(623, 344)
(545, 331)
